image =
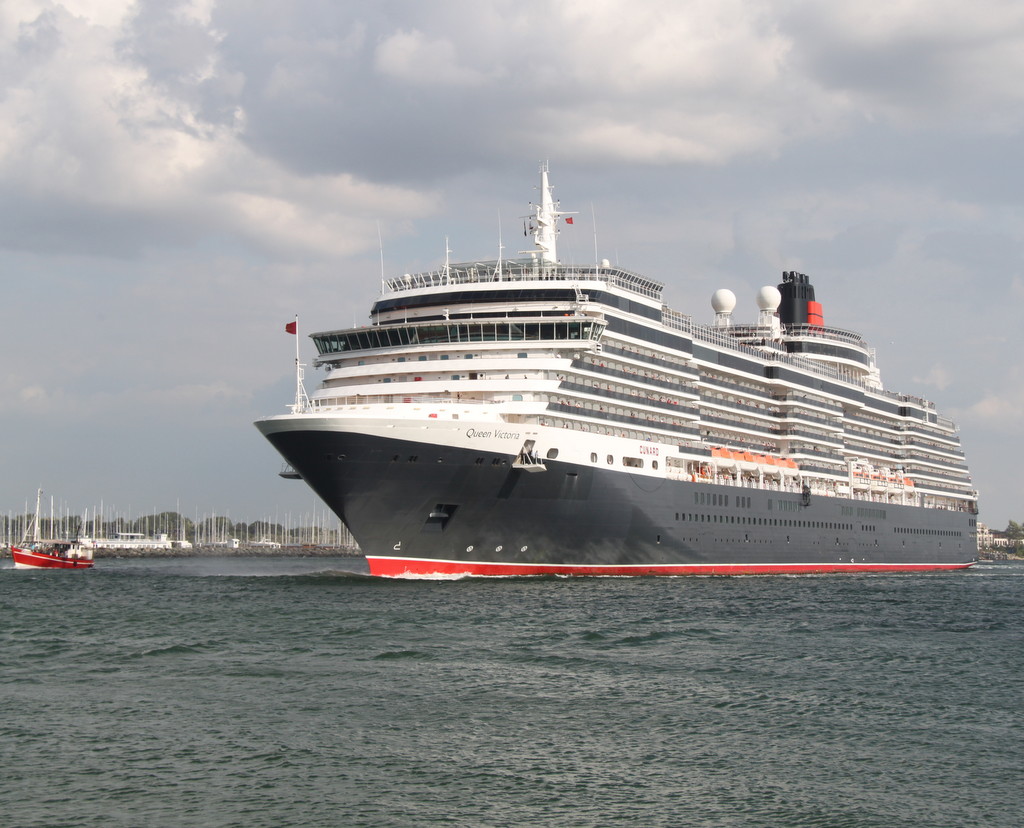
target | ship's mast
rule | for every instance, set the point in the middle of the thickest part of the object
(301, 398)
(545, 232)
(544, 221)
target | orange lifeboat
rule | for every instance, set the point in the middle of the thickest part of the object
(770, 465)
(727, 459)
(746, 459)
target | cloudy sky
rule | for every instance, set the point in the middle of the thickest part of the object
(178, 179)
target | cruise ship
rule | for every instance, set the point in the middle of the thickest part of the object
(523, 416)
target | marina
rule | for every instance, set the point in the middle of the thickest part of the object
(106, 531)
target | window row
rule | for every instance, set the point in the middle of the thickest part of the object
(744, 520)
(394, 336)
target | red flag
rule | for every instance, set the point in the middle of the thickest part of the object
(568, 220)
(290, 327)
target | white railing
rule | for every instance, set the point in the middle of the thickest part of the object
(394, 399)
(522, 270)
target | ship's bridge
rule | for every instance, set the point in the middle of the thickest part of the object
(333, 345)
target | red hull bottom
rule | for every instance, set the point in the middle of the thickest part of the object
(26, 559)
(426, 568)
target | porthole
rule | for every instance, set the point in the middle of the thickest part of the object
(593, 457)
(469, 548)
(552, 453)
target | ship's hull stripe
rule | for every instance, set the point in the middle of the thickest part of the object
(426, 567)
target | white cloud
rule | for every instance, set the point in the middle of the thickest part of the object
(643, 48)
(665, 137)
(998, 410)
(413, 57)
(311, 216)
(915, 59)
(33, 395)
(87, 126)
(938, 376)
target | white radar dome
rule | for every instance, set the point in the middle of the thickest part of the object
(769, 298)
(723, 300)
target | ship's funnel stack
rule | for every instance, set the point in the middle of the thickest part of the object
(798, 306)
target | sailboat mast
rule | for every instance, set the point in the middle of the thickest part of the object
(35, 520)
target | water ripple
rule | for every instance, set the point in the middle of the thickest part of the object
(297, 693)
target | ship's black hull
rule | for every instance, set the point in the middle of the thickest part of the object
(416, 508)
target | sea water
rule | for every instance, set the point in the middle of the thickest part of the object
(302, 692)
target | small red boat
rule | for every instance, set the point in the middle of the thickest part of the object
(49, 554)
(52, 555)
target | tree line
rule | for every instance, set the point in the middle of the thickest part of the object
(1015, 534)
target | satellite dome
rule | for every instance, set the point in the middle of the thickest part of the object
(723, 300)
(769, 298)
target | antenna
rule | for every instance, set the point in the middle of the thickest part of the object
(447, 254)
(380, 245)
(501, 247)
